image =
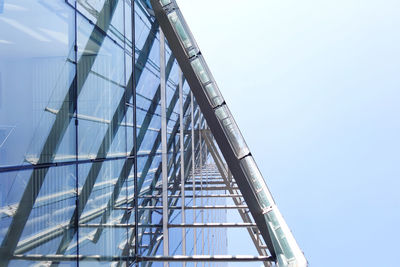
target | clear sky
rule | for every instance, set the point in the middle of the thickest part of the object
(315, 89)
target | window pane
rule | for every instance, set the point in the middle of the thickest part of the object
(37, 70)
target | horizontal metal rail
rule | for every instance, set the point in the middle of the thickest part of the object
(213, 225)
(60, 258)
(180, 225)
(204, 258)
(177, 258)
(197, 196)
(209, 188)
(194, 207)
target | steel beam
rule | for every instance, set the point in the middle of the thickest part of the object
(164, 157)
(198, 196)
(61, 258)
(233, 159)
(214, 225)
(193, 171)
(182, 161)
(217, 207)
(205, 258)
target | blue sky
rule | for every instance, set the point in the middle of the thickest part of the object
(315, 88)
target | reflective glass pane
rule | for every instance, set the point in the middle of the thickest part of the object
(36, 74)
(105, 14)
(101, 103)
(104, 202)
(51, 214)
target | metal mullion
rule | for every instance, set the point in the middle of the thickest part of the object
(201, 181)
(171, 138)
(128, 164)
(170, 143)
(175, 201)
(173, 133)
(76, 126)
(104, 147)
(135, 146)
(193, 172)
(146, 123)
(158, 243)
(125, 111)
(181, 145)
(188, 158)
(164, 171)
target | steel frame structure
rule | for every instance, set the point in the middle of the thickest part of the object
(199, 165)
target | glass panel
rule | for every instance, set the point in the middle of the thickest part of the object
(179, 29)
(232, 131)
(277, 224)
(200, 70)
(257, 182)
(128, 24)
(165, 2)
(101, 103)
(37, 70)
(142, 28)
(214, 95)
(51, 213)
(104, 186)
(12, 185)
(107, 15)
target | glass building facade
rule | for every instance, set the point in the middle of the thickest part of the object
(102, 143)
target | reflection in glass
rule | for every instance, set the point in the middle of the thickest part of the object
(37, 71)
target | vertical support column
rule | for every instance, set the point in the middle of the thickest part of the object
(193, 178)
(201, 184)
(135, 147)
(75, 34)
(164, 158)
(182, 153)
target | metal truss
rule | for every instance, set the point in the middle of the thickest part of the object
(271, 225)
(193, 170)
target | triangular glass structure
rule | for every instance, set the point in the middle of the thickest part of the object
(123, 151)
